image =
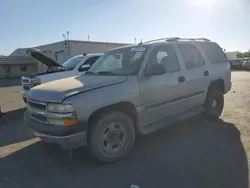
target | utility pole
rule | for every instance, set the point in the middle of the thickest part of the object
(88, 36)
(69, 45)
(135, 40)
(65, 40)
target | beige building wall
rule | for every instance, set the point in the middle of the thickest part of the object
(16, 70)
(231, 55)
(60, 51)
(89, 47)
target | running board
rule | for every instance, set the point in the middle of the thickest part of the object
(160, 124)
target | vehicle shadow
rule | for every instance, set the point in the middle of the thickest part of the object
(193, 153)
(12, 128)
(9, 82)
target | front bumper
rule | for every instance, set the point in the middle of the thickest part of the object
(228, 87)
(67, 137)
(25, 95)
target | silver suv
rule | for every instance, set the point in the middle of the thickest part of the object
(139, 88)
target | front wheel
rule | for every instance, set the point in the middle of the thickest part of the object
(111, 137)
(24, 100)
(214, 103)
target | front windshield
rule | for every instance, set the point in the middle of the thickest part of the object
(124, 61)
(71, 63)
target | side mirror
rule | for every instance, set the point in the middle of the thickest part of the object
(84, 68)
(156, 69)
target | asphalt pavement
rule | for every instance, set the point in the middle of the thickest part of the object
(193, 153)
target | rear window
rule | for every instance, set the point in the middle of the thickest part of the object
(213, 52)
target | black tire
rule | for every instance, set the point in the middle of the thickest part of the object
(24, 100)
(109, 130)
(214, 103)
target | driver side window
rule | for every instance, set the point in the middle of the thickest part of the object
(166, 56)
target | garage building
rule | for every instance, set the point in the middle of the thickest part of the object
(18, 63)
(17, 66)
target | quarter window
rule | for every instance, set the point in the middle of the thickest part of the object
(191, 56)
(166, 56)
(214, 52)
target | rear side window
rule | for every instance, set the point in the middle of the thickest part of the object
(214, 52)
(191, 56)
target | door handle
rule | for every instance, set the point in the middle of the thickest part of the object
(206, 73)
(181, 79)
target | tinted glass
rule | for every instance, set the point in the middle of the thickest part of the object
(166, 56)
(91, 60)
(191, 55)
(213, 51)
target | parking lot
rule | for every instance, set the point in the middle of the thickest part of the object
(193, 153)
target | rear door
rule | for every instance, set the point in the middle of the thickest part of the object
(163, 95)
(196, 74)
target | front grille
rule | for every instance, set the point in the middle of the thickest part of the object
(38, 117)
(26, 81)
(38, 106)
(35, 108)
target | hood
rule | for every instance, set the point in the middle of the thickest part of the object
(57, 91)
(38, 55)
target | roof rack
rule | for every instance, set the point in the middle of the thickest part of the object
(177, 39)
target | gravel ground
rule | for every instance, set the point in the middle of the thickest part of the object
(193, 153)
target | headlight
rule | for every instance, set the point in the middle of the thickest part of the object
(36, 82)
(60, 108)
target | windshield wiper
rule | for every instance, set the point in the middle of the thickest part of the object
(106, 73)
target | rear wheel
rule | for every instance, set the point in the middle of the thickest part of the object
(214, 103)
(111, 137)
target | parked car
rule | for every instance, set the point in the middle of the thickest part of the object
(138, 88)
(236, 64)
(74, 66)
(246, 64)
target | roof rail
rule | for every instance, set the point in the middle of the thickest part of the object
(176, 39)
(196, 39)
(162, 39)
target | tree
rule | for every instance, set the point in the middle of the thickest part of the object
(242, 55)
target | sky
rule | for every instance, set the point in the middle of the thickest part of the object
(32, 23)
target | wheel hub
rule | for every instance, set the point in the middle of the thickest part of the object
(113, 137)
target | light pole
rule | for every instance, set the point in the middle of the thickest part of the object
(65, 40)
(68, 43)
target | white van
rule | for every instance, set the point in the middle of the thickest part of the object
(74, 66)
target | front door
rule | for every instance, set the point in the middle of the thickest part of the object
(163, 95)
